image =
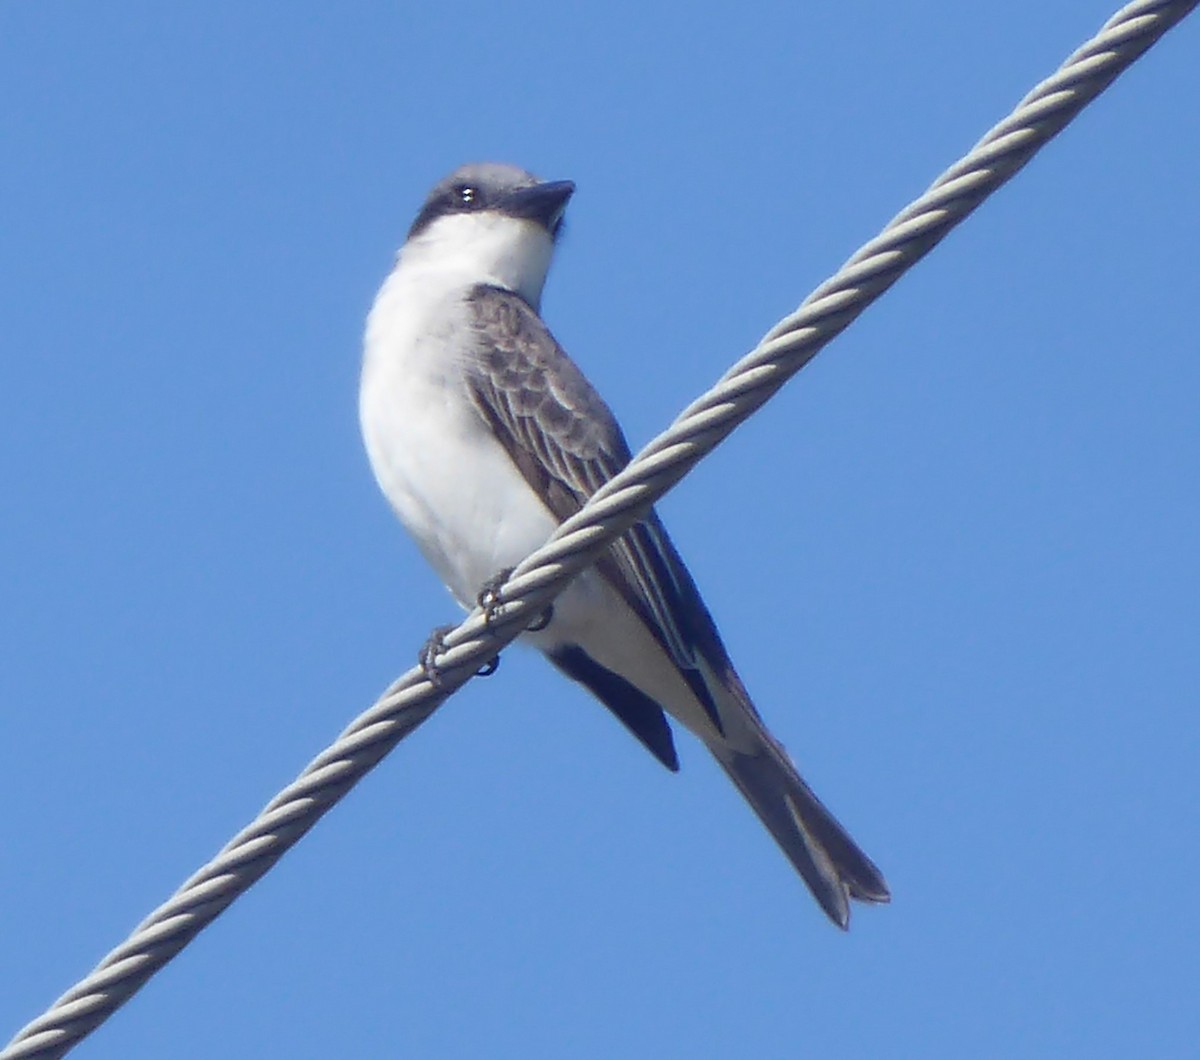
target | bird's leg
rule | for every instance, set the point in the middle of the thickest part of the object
(489, 600)
(428, 655)
(436, 644)
(489, 596)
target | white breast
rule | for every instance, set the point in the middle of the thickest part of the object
(436, 460)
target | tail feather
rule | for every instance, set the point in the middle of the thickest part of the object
(830, 862)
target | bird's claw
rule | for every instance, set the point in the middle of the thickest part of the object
(491, 604)
(427, 657)
(489, 667)
(489, 596)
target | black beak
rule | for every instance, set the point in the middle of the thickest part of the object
(543, 202)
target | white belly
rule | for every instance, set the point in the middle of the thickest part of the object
(448, 478)
(462, 498)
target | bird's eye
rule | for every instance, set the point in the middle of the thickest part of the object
(467, 195)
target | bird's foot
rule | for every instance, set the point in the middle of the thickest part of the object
(427, 657)
(489, 600)
(489, 596)
(489, 667)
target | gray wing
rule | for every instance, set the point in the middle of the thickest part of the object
(567, 444)
(564, 440)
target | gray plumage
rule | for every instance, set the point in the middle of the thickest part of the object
(484, 436)
(567, 443)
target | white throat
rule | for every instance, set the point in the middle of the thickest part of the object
(485, 247)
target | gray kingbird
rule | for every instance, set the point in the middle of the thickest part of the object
(484, 436)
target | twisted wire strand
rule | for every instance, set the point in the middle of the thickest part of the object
(783, 351)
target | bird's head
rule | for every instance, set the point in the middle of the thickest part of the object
(495, 223)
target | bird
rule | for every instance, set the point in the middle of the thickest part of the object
(484, 436)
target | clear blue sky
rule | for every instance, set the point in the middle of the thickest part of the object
(956, 559)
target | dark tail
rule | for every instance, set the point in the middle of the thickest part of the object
(824, 855)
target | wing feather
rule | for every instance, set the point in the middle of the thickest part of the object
(566, 443)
